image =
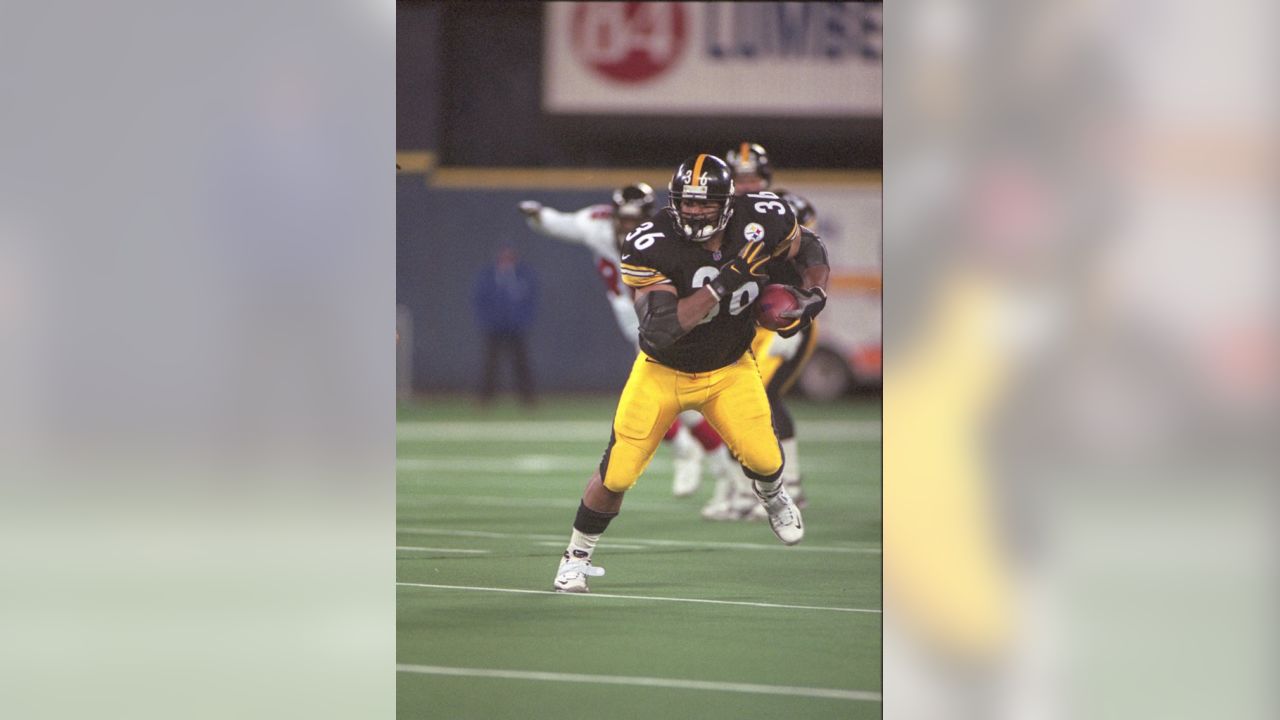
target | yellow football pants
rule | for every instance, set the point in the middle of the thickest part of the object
(731, 398)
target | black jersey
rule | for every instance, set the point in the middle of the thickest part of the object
(657, 253)
(788, 271)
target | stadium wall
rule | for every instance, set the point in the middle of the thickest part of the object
(446, 236)
(451, 222)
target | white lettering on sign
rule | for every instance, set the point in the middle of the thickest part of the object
(794, 30)
(628, 42)
(630, 58)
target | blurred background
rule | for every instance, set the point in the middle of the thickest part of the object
(1081, 339)
(562, 103)
(500, 102)
(199, 233)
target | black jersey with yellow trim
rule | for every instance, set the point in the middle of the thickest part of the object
(657, 253)
(790, 271)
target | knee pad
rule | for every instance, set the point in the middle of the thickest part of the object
(621, 465)
(637, 414)
(763, 462)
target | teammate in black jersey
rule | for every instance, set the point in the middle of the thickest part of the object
(696, 266)
(782, 355)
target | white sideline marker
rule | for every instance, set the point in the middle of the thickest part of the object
(641, 597)
(607, 546)
(537, 465)
(826, 693)
(648, 542)
(836, 431)
(415, 548)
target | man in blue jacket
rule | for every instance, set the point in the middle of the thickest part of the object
(505, 296)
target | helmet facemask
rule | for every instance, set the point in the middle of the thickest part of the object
(707, 180)
(700, 227)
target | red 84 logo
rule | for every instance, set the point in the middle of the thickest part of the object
(628, 42)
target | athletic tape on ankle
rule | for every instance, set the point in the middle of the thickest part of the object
(591, 521)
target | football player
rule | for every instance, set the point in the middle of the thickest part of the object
(601, 228)
(696, 267)
(782, 354)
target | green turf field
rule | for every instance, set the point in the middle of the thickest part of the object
(695, 619)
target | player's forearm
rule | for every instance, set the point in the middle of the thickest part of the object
(815, 276)
(665, 319)
(693, 309)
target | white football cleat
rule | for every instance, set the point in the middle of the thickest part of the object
(687, 463)
(795, 490)
(784, 516)
(572, 574)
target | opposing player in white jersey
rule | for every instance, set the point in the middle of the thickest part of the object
(601, 228)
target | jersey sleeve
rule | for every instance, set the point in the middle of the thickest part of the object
(770, 219)
(812, 250)
(788, 228)
(572, 227)
(641, 264)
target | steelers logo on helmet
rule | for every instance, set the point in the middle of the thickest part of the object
(700, 195)
(753, 232)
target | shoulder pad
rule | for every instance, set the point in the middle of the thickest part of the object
(640, 264)
(773, 216)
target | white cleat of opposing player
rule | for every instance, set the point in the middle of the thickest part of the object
(732, 498)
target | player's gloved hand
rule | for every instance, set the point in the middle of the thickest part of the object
(530, 208)
(747, 266)
(811, 303)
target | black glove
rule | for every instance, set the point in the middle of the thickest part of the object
(747, 266)
(811, 303)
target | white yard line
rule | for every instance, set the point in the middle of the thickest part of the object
(518, 465)
(550, 465)
(416, 548)
(443, 501)
(672, 683)
(598, 431)
(641, 597)
(605, 545)
(649, 542)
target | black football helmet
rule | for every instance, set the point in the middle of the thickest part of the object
(750, 159)
(802, 207)
(633, 201)
(702, 177)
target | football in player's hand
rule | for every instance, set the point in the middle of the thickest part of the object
(774, 300)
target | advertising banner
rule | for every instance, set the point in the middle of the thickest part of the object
(816, 59)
